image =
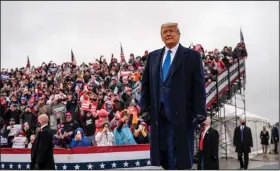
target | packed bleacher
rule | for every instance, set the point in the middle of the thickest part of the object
(94, 104)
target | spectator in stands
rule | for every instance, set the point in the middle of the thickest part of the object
(61, 139)
(118, 102)
(131, 59)
(100, 100)
(79, 139)
(11, 132)
(71, 105)
(105, 137)
(27, 131)
(217, 64)
(41, 107)
(32, 139)
(123, 134)
(12, 112)
(144, 57)
(208, 75)
(29, 117)
(89, 124)
(127, 96)
(4, 136)
(70, 125)
(4, 106)
(239, 52)
(141, 134)
(115, 121)
(264, 136)
(102, 118)
(244, 51)
(23, 104)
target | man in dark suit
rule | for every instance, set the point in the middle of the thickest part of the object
(208, 153)
(243, 142)
(172, 100)
(275, 137)
(42, 149)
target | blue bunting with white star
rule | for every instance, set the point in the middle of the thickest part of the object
(82, 166)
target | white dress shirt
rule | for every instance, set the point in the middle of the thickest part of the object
(172, 54)
(242, 127)
(43, 126)
(206, 129)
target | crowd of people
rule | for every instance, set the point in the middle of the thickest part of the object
(93, 104)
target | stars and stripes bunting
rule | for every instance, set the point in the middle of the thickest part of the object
(82, 166)
(86, 158)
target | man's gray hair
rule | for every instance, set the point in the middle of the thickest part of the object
(170, 24)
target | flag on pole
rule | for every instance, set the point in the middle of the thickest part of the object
(73, 60)
(28, 62)
(122, 55)
(241, 36)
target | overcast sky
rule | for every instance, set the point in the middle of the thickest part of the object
(48, 30)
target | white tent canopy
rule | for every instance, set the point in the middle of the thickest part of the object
(227, 122)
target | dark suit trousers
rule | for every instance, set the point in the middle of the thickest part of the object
(246, 159)
(276, 147)
(166, 142)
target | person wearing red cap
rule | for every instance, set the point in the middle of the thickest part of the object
(141, 135)
(102, 117)
(61, 139)
(70, 125)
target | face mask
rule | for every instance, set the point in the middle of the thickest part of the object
(243, 123)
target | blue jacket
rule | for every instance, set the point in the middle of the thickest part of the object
(81, 143)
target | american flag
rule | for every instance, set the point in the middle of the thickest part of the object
(241, 36)
(28, 62)
(122, 55)
(73, 60)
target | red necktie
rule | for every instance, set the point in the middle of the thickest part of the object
(201, 141)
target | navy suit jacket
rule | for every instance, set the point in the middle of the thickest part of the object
(184, 99)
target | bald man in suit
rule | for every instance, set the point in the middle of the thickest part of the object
(42, 150)
(208, 153)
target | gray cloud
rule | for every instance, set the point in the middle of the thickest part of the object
(48, 30)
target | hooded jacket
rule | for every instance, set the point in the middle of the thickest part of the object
(80, 143)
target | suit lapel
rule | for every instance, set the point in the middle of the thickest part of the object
(177, 61)
(158, 63)
(157, 71)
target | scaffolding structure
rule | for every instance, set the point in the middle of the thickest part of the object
(234, 96)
